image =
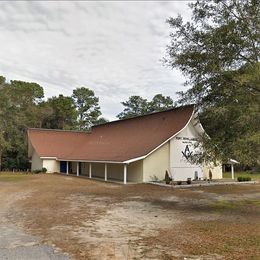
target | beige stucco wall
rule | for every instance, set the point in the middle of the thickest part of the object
(36, 161)
(51, 165)
(156, 164)
(135, 171)
(184, 143)
(181, 167)
(85, 169)
(114, 171)
(98, 170)
(74, 167)
(216, 171)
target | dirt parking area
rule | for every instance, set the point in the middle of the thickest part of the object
(87, 219)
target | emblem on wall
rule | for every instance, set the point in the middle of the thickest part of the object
(187, 153)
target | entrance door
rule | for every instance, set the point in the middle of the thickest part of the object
(63, 166)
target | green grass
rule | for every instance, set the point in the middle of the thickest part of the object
(254, 176)
(13, 177)
(227, 204)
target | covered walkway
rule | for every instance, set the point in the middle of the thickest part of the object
(107, 171)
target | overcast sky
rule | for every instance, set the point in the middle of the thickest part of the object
(113, 48)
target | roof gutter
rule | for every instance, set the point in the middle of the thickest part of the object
(135, 159)
(75, 160)
(48, 158)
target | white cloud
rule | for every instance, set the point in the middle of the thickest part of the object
(114, 48)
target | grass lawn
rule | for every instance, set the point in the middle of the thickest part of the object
(254, 176)
(89, 219)
(12, 177)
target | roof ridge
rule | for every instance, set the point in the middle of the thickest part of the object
(148, 114)
(111, 122)
(58, 130)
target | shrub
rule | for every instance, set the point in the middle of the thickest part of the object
(189, 181)
(167, 178)
(210, 175)
(179, 182)
(37, 171)
(240, 178)
(42, 170)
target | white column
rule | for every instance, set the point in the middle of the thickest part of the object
(67, 168)
(125, 173)
(232, 171)
(77, 168)
(105, 172)
(90, 171)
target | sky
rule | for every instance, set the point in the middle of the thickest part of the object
(114, 48)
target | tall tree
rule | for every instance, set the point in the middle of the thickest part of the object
(2, 115)
(137, 106)
(87, 107)
(160, 103)
(63, 114)
(134, 106)
(218, 52)
(18, 111)
(100, 121)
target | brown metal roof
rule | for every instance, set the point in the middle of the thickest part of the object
(116, 141)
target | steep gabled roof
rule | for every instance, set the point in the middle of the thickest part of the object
(117, 141)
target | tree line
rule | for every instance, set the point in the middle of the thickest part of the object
(22, 106)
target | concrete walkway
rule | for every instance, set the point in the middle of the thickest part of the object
(17, 245)
(95, 178)
(203, 184)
